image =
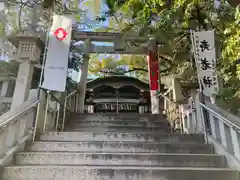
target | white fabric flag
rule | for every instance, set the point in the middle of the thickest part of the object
(56, 66)
(205, 55)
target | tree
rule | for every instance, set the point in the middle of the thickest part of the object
(8, 69)
(143, 21)
(170, 21)
(34, 16)
(229, 66)
(102, 67)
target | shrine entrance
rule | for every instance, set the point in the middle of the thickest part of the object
(117, 94)
(121, 44)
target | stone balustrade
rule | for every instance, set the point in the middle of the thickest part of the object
(15, 129)
(220, 128)
(223, 128)
(33, 117)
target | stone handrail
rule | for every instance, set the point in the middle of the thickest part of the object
(219, 127)
(228, 118)
(224, 128)
(70, 104)
(55, 112)
(16, 129)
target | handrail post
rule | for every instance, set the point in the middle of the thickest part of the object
(58, 114)
(46, 111)
(36, 123)
(203, 124)
(70, 103)
(76, 105)
(74, 102)
(64, 114)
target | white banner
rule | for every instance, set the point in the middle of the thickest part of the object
(205, 55)
(56, 66)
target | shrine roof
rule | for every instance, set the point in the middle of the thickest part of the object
(122, 80)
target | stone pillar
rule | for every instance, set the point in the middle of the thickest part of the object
(141, 109)
(28, 52)
(199, 115)
(23, 84)
(153, 70)
(84, 74)
(177, 91)
(146, 108)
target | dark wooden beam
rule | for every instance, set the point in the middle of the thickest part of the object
(234, 2)
(106, 36)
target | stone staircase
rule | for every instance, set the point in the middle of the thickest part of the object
(119, 147)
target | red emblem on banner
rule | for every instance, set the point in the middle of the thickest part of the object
(60, 34)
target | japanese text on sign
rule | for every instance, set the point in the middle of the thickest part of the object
(205, 55)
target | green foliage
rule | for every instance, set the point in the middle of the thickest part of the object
(8, 69)
(75, 60)
(31, 15)
(229, 67)
(2, 23)
(170, 24)
(231, 47)
(97, 67)
(2, 29)
(47, 3)
(133, 65)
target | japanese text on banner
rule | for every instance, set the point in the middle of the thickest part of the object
(205, 55)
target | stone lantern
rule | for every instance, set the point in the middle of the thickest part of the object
(29, 48)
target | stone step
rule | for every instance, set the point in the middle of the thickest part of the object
(111, 118)
(134, 115)
(121, 159)
(116, 173)
(110, 136)
(112, 146)
(117, 126)
(127, 118)
(106, 116)
(119, 122)
(136, 129)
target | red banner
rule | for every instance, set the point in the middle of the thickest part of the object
(153, 70)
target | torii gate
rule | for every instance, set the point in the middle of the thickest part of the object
(120, 47)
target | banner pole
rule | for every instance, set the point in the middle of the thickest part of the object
(44, 55)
